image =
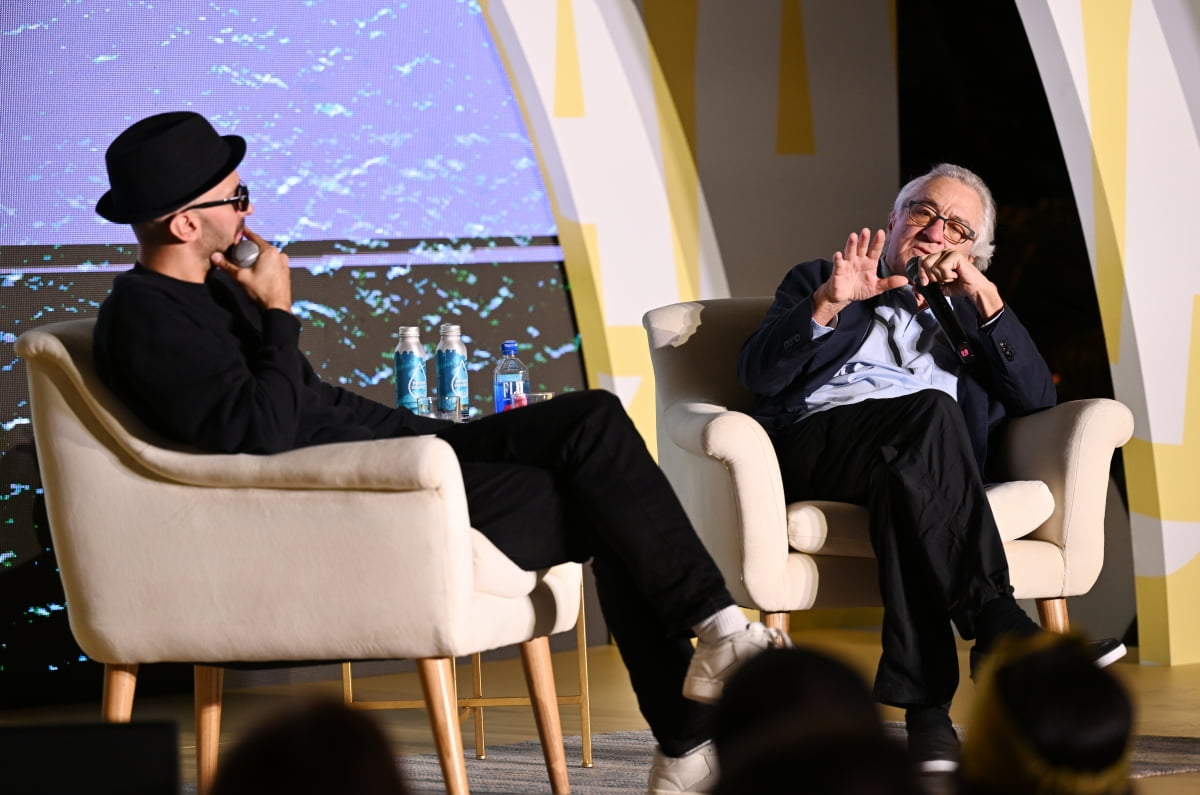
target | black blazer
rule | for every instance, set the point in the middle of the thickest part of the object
(782, 364)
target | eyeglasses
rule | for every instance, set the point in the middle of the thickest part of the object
(922, 214)
(239, 200)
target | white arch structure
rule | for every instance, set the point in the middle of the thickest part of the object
(1123, 81)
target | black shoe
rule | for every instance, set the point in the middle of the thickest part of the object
(932, 741)
(1104, 652)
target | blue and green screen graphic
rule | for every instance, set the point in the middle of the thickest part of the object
(385, 152)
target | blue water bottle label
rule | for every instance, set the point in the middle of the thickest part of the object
(452, 380)
(411, 384)
(506, 390)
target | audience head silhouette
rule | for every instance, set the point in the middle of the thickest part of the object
(1047, 721)
(319, 747)
(799, 720)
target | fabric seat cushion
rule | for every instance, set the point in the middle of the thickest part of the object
(495, 573)
(838, 528)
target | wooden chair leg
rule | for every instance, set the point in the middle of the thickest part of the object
(347, 684)
(1053, 614)
(120, 681)
(476, 713)
(585, 693)
(437, 677)
(209, 682)
(781, 620)
(539, 677)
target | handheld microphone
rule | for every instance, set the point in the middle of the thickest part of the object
(244, 254)
(942, 312)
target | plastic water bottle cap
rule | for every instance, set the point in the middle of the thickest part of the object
(508, 348)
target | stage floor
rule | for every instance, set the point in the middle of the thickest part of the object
(1167, 699)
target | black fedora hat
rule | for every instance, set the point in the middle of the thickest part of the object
(163, 162)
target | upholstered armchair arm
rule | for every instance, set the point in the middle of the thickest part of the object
(1069, 448)
(730, 484)
(403, 464)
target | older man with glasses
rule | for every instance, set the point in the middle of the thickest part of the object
(867, 401)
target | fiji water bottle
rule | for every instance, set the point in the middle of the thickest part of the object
(411, 383)
(451, 360)
(510, 383)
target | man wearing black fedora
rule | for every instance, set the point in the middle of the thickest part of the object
(207, 353)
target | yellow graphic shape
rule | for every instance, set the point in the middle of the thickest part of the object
(1165, 635)
(631, 357)
(672, 31)
(568, 77)
(581, 260)
(1164, 479)
(1106, 41)
(794, 115)
(672, 27)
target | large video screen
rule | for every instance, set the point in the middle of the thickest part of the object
(385, 153)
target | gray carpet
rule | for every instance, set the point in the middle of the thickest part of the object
(622, 763)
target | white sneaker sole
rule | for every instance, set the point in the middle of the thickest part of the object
(1110, 658)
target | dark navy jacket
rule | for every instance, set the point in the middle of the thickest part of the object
(782, 364)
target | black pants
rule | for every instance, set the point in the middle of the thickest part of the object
(571, 479)
(909, 461)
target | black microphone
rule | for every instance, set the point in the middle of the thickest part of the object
(942, 311)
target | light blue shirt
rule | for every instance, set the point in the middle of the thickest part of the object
(904, 351)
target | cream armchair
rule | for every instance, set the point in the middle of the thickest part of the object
(356, 551)
(778, 557)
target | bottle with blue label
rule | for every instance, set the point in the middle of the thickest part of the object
(451, 358)
(411, 382)
(510, 382)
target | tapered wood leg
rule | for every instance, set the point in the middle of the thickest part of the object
(437, 677)
(347, 684)
(585, 693)
(209, 682)
(781, 620)
(477, 712)
(1053, 614)
(119, 683)
(539, 677)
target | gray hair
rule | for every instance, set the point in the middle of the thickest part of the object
(982, 246)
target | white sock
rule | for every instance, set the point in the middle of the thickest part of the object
(721, 624)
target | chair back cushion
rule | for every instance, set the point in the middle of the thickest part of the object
(694, 347)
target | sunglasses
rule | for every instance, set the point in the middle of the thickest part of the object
(239, 200)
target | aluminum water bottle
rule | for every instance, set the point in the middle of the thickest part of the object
(411, 382)
(451, 360)
(510, 381)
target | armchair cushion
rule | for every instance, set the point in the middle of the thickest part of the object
(838, 528)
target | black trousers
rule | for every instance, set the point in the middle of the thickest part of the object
(571, 479)
(909, 461)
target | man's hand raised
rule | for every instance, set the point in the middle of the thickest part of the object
(268, 282)
(855, 276)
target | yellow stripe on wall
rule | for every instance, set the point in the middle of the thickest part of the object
(1168, 634)
(581, 260)
(1162, 478)
(794, 117)
(1106, 41)
(672, 28)
(630, 348)
(568, 77)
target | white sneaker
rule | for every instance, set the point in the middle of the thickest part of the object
(694, 772)
(713, 663)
